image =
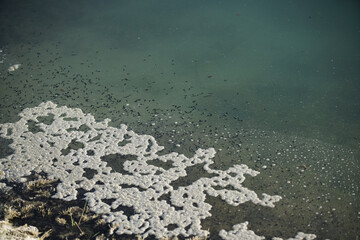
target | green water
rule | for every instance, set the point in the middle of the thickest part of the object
(273, 85)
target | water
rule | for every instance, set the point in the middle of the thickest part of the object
(270, 85)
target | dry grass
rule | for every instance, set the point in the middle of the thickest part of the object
(38, 183)
(31, 201)
(10, 213)
(61, 221)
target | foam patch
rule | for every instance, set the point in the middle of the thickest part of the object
(116, 168)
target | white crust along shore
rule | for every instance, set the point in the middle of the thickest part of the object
(140, 189)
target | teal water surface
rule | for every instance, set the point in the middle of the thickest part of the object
(273, 85)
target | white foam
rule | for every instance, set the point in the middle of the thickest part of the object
(14, 67)
(140, 189)
(240, 231)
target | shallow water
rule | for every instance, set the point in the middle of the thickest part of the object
(270, 85)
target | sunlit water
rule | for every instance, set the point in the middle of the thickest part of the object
(270, 85)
